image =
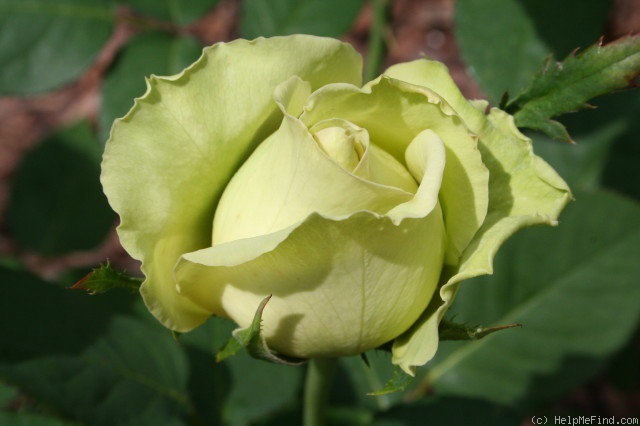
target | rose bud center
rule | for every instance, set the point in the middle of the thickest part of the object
(345, 146)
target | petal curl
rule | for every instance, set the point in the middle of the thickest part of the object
(435, 76)
(394, 113)
(524, 191)
(168, 160)
(425, 157)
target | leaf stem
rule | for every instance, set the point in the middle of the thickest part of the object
(320, 373)
(375, 49)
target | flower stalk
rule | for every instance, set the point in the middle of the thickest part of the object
(320, 372)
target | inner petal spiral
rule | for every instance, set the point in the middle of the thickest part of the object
(345, 145)
(299, 171)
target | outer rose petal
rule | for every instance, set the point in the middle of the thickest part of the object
(523, 191)
(435, 76)
(339, 287)
(168, 160)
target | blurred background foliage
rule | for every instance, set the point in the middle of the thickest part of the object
(68, 68)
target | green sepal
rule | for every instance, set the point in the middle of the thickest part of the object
(449, 330)
(104, 278)
(252, 340)
(567, 86)
(398, 382)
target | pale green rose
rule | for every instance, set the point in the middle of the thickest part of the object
(267, 168)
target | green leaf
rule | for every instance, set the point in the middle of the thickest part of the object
(251, 339)
(400, 380)
(578, 303)
(259, 389)
(7, 393)
(45, 44)
(212, 384)
(47, 319)
(370, 378)
(564, 26)
(563, 87)
(82, 358)
(340, 415)
(582, 164)
(605, 153)
(232, 387)
(331, 18)
(105, 278)
(364, 379)
(149, 53)
(141, 369)
(621, 171)
(521, 34)
(515, 53)
(623, 369)
(448, 411)
(56, 203)
(10, 263)
(30, 419)
(176, 11)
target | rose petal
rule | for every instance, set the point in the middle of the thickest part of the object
(426, 161)
(394, 112)
(435, 76)
(339, 287)
(287, 178)
(168, 160)
(384, 169)
(524, 191)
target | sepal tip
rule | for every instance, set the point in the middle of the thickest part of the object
(252, 340)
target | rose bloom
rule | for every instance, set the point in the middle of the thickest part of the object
(267, 168)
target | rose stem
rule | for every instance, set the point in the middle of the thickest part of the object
(375, 48)
(320, 373)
